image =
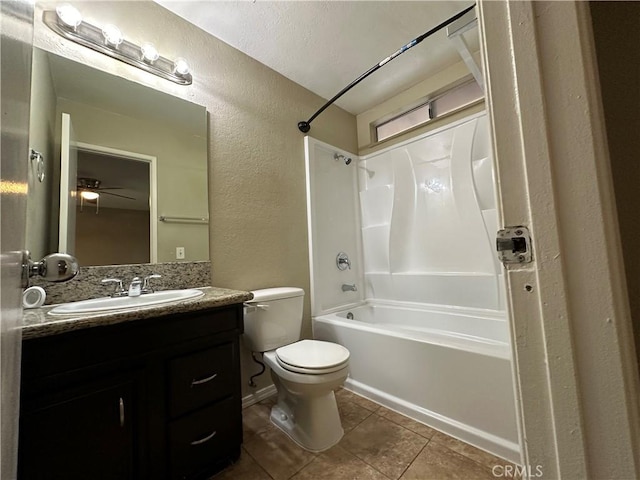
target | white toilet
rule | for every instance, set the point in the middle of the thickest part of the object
(305, 372)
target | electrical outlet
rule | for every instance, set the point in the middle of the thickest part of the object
(180, 253)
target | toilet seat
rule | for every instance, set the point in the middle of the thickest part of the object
(312, 357)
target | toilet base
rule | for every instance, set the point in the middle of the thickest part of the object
(313, 423)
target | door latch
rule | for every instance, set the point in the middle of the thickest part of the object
(514, 245)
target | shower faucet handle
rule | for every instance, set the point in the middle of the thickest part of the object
(343, 262)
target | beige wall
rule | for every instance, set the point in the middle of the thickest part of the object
(41, 138)
(99, 238)
(181, 170)
(398, 103)
(617, 39)
(257, 202)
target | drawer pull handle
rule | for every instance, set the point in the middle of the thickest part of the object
(205, 439)
(203, 380)
(121, 412)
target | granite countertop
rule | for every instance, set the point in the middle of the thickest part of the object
(36, 322)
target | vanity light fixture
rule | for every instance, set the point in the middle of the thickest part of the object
(67, 22)
(181, 67)
(149, 52)
(112, 35)
(69, 15)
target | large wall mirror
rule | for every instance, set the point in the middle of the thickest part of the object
(120, 173)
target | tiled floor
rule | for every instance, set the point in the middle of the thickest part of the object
(378, 444)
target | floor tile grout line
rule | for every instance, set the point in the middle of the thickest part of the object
(427, 438)
(358, 424)
(406, 428)
(398, 425)
(467, 456)
(486, 467)
(377, 470)
(313, 459)
(258, 463)
(414, 458)
(366, 463)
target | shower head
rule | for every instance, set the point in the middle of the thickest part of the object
(338, 156)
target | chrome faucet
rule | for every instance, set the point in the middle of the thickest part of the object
(135, 287)
(346, 287)
(119, 290)
(146, 287)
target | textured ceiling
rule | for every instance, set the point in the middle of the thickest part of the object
(324, 45)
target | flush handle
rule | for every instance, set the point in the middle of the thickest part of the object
(250, 307)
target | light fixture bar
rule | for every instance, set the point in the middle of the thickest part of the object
(92, 37)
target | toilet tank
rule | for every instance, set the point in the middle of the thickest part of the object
(273, 318)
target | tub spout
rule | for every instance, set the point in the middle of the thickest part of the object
(349, 287)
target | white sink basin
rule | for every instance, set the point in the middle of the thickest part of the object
(106, 304)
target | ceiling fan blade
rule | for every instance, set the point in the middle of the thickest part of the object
(116, 195)
(110, 188)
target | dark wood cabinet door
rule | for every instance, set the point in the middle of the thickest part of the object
(82, 433)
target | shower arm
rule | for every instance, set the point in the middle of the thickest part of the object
(304, 127)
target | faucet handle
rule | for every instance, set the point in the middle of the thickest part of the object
(146, 287)
(118, 290)
(343, 262)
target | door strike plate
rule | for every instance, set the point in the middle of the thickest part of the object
(514, 245)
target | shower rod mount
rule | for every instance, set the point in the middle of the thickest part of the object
(304, 127)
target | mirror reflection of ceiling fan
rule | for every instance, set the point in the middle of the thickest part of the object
(90, 190)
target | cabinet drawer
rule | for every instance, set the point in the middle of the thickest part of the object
(200, 378)
(207, 438)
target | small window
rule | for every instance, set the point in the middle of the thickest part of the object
(447, 102)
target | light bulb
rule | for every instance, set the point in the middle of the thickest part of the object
(112, 35)
(88, 195)
(69, 15)
(149, 52)
(180, 66)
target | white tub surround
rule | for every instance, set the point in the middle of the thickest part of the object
(428, 336)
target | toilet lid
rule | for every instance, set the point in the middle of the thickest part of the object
(313, 355)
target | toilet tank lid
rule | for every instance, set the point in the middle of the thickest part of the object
(275, 294)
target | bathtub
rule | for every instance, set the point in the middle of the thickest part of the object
(447, 367)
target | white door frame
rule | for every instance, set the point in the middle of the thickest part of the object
(575, 369)
(68, 187)
(153, 187)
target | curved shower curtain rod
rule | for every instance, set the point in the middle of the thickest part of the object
(304, 127)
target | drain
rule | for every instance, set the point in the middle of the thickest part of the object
(349, 316)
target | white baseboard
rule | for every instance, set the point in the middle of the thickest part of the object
(259, 395)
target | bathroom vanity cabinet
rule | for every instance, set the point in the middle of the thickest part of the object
(157, 398)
